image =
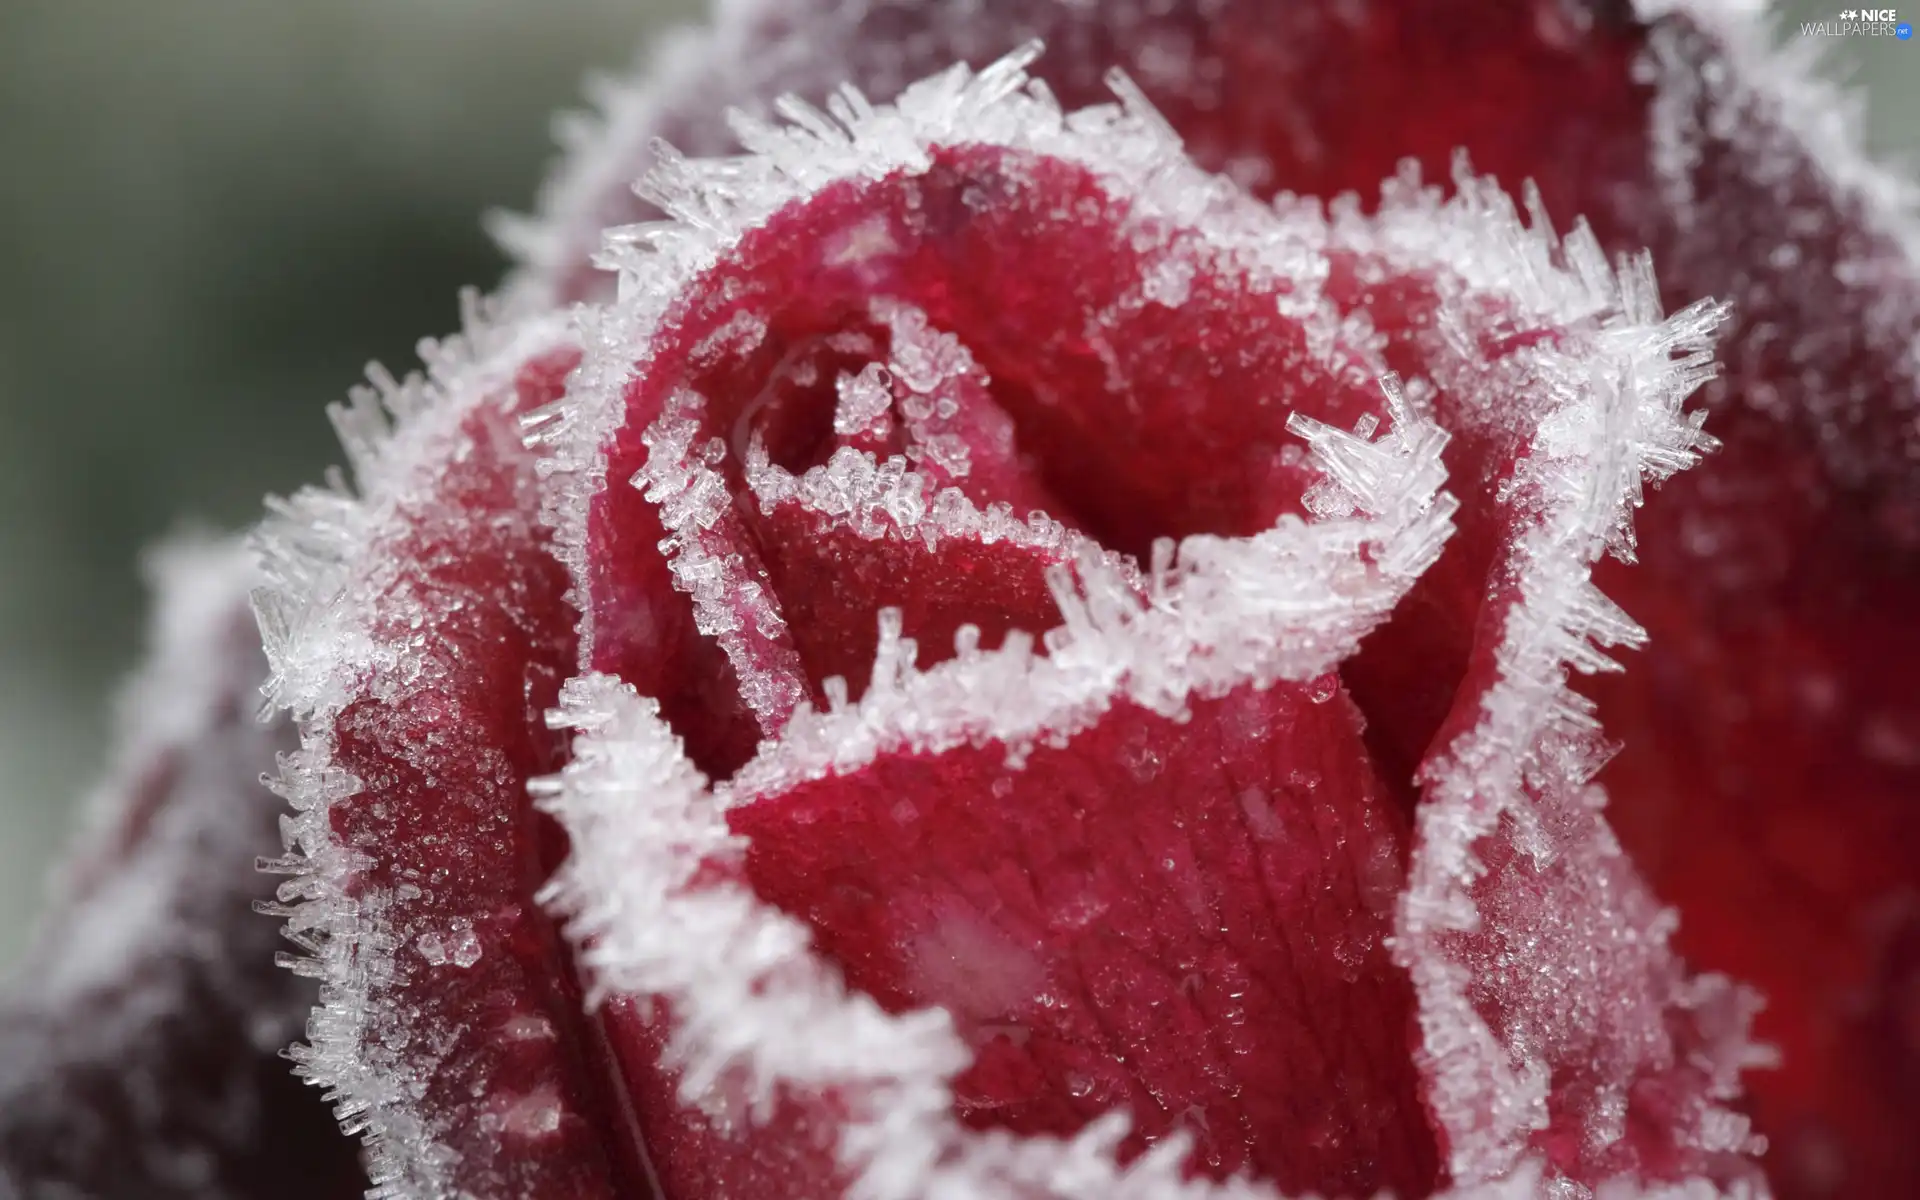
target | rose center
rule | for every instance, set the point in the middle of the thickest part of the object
(864, 403)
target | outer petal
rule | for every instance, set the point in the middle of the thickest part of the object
(418, 632)
(140, 1045)
(1525, 927)
(1769, 775)
(1177, 918)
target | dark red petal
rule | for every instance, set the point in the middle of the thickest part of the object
(140, 1044)
(1314, 98)
(1181, 921)
(832, 584)
(419, 634)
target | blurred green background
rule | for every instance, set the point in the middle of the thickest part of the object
(212, 214)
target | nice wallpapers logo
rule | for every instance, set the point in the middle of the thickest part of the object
(1860, 22)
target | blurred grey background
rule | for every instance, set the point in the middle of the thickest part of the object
(213, 213)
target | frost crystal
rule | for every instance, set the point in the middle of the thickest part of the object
(704, 547)
(864, 401)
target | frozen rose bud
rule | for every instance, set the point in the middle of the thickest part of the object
(141, 1040)
(1228, 828)
(924, 843)
(1768, 766)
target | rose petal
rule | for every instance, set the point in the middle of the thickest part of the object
(1768, 776)
(1181, 920)
(139, 1045)
(1556, 1019)
(418, 633)
(663, 909)
(833, 582)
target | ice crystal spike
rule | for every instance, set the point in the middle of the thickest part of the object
(139, 1042)
(1780, 572)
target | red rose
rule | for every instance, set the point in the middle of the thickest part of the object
(978, 659)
